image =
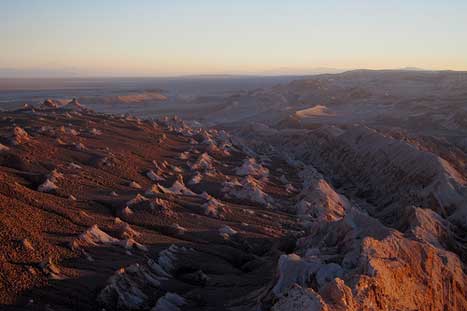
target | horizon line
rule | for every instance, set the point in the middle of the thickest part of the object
(223, 75)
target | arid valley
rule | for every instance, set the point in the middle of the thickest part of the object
(339, 191)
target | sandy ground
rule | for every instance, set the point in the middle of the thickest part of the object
(95, 155)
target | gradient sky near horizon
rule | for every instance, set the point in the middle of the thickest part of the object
(154, 37)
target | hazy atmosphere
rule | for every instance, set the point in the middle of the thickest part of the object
(160, 38)
(233, 155)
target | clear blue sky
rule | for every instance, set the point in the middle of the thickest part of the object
(113, 37)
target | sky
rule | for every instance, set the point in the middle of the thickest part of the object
(164, 38)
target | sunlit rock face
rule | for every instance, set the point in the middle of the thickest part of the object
(385, 236)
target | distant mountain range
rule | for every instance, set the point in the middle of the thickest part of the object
(74, 73)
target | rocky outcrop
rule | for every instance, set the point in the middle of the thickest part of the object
(388, 239)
